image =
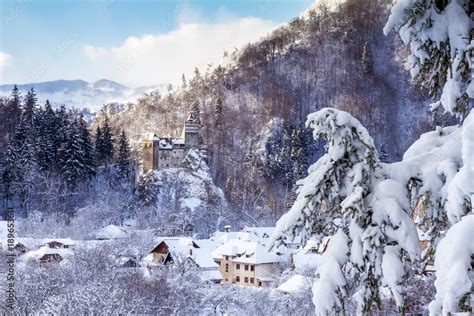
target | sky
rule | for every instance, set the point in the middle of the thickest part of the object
(141, 42)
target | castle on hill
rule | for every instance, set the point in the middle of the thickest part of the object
(167, 152)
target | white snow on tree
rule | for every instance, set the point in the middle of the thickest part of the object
(330, 287)
(454, 275)
(349, 182)
(438, 34)
(461, 188)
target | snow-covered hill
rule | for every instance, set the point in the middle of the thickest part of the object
(82, 94)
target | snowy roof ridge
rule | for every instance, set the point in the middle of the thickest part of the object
(246, 251)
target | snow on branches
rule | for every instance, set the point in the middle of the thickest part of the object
(348, 182)
(438, 33)
(453, 269)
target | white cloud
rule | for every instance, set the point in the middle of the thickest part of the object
(162, 58)
(5, 59)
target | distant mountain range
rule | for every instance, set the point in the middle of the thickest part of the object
(82, 94)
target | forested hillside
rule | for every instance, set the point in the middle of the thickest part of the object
(253, 106)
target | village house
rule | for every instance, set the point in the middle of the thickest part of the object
(247, 262)
(168, 152)
(58, 243)
(47, 255)
(193, 253)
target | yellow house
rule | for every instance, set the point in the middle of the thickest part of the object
(247, 262)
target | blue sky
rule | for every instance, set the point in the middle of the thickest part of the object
(134, 42)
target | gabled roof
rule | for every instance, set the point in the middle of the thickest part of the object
(45, 250)
(198, 251)
(64, 241)
(245, 251)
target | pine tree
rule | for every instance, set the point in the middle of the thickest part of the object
(61, 127)
(72, 158)
(229, 189)
(440, 57)
(12, 111)
(383, 154)
(87, 149)
(46, 138)
(123, 158)
(183, 80)
(218, 110)
(104, 147)
(10, 172)
(348, 184)
(196, 112)
(30, 110)
(367, 59)
(23, 149)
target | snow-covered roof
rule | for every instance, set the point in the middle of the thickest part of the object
(178, 141)
(265, 278)
(64, 241)
(45, 250)
(296, 284)
(203, 255)
(170, 143)
(210, 275)
(197, 250)
(111, 232)
(243, 251)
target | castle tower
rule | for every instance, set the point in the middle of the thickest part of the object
(191, 132)
(150, 152)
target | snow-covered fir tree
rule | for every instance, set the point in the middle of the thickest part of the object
(46, 138)
(348, 183)
(123, 158)
(72, 155)
(87, 149)
(438, 34)
(104, 146)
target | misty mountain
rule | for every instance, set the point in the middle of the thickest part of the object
(82, 94)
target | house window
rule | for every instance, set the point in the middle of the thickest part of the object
(252, 280)
(226, 257)
(252, 268)
(246, 267)
(246, 280)
(237, 279)
(226, 267)
(259, 283)
(237, 266)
